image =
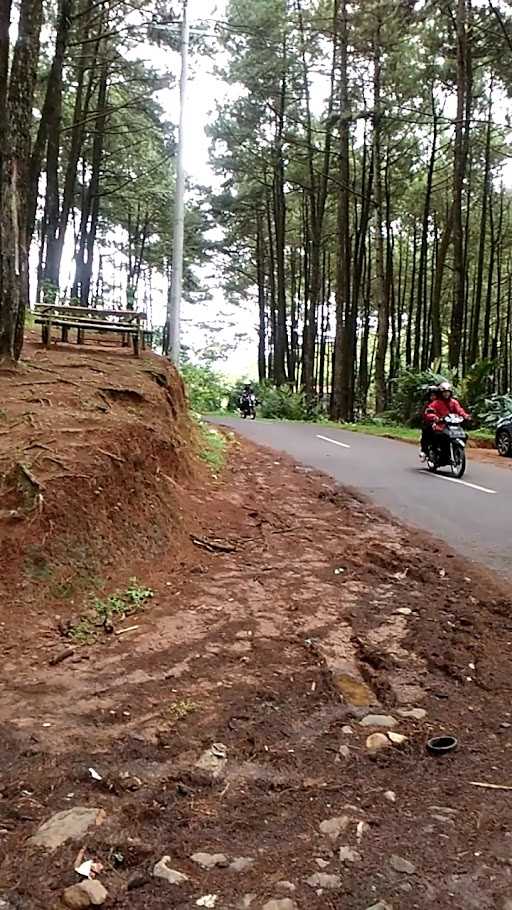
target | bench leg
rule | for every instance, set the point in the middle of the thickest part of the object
(136, 345)
(48, 338)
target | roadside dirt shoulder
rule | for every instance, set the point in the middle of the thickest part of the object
(234, 721)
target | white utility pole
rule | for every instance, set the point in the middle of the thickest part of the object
(174, 301)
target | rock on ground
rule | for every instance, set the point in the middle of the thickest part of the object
(377, 742)
(402, 865)
(324, 880)
(86, 894)
(71, 824)
(348, 855)
(378, 720)
(242, 864)
(333, 827)
(284, 904)
(210, 860)
(163, 870)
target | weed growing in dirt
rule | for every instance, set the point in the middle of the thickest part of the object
(120, 604)
(212, 448)
(179, 710)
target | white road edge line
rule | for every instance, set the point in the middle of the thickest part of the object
(334, 441)
(464, 483)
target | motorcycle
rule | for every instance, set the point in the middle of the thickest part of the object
(248, 407)
(448, 447)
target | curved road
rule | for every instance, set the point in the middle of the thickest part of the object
(474, 515)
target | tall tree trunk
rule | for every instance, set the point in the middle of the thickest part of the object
(262, 328)
(280, 230)
(460, 158)
(475, 325)
(342, 399)
(49, 131)
(381, 296)
(14, 177)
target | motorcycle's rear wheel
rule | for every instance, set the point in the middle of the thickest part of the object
(458, 461)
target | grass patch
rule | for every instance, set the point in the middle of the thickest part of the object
(384, 429)
(120, 604)
(212, 447)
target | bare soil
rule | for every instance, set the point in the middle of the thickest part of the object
(299, 610)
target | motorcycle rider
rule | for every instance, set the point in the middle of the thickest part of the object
(425, 425)
(444, 404)
(247, 399)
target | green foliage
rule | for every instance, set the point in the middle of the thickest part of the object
(212, 447)
(411, 392)
(119, 604)
(493, 409)
(283, 404)
(477, 386)
(207, 389)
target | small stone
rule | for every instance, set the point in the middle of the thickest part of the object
(163, 870)
(402, 865)
(241, 864)
(376, 742)
(507, 904)
(322, 863)
(71, 824)
(95, 891)
(284, 904)
(286, 886)
(505, 725)
(324, 880)
(398, 739)
(210, 860)
(414, 713)
(347, 731)
(344, 751)
(404, 611)
(246, 901)
(443, 810)
(333, 827)
(382, 905)
(378, 720)
(214, 760)
(348, 855)
(76, 898)
(390, 795)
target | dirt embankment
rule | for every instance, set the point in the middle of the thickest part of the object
(95, 458)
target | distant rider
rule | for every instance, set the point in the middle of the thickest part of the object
(247, 399)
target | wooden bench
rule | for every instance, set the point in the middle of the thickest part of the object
(127, 323)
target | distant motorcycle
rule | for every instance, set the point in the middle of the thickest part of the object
(248, 407)
(448, 446)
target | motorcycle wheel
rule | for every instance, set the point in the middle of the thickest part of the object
(458, 462)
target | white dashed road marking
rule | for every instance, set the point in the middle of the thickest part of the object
(464, 483)
(334, 441)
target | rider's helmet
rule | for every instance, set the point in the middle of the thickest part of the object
(445, 389)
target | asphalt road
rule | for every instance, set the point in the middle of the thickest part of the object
(473, 515)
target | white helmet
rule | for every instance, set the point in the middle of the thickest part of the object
(446, 387)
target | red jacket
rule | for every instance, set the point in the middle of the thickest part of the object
(437, 410)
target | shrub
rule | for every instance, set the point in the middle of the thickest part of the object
(207, 390)
(493, 409)
(283, 404)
